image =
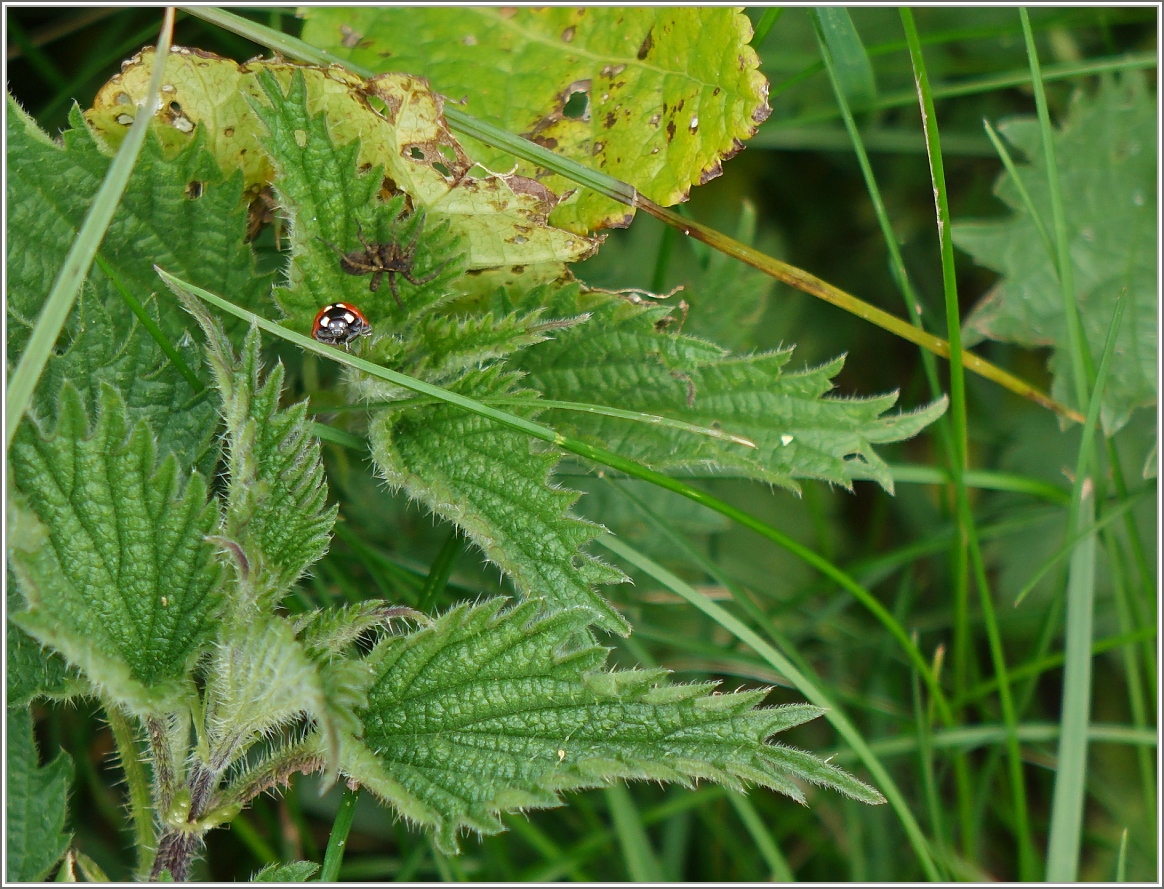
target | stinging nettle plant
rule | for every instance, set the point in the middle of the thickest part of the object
(165, 502)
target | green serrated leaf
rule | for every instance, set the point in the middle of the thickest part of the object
(291, 872)
(36, 803)
(162, 218)
(491, 483)
(784, 426)
(277, 508)
(493, 710)
(657, 97)
(1106, 153)
(121, 581)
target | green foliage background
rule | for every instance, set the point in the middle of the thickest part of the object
(796, 193)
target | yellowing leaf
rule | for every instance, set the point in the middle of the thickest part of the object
(657, 97)
(400, 127)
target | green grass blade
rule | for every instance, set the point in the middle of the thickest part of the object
(334, 856)
(1063, 844)
(968, 553)
(1070, 543)
(1076, 342)
(77, 263)
(767, 20)
(773, 857)
(809, 689)
(985, 736)
(852, 68)
(1121, 869)
(641, 864)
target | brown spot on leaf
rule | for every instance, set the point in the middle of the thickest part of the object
(609, 121)
(507, 12)
(568, 34)
(670, 130)
(710, 173)
(645, 47)
(228, 132)
(546, 142)
(613, 70)
(350, 37)
(517, 269)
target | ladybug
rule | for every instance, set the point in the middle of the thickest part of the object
(339, 324)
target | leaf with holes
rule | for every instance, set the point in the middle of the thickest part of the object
(392, 123)
(655, 96)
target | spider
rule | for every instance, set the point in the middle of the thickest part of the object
(389, 259)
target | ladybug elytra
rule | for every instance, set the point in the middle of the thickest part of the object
(339, 324)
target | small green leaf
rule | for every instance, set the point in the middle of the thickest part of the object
(291, 872)
(493, 484)
(1106, 152)
(493, 710)
(36, 803)
(261, 678)
(657, 97)
(122, 581)
(785, 425)
(277, 508)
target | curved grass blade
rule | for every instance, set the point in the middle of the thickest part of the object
(804, 685)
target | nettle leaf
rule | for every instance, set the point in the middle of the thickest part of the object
(494, 710)
(657, 97)
(179, 212)
(1106, 154)
(121, 580)
(277, 510)
(291, 872)
(494, 484)
(396, 124)
(623, 356)
(33, 671)
(36, 801)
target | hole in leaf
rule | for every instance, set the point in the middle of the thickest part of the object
(576, 105)
(194, 190)
(442, 169)
(415, 153)
(447, 153)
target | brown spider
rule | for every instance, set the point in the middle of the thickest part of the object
(389, 259)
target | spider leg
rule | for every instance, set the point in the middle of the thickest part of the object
(376, 277)
(416, 282)
(341, 254)
(363, 241)
(395, 291)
